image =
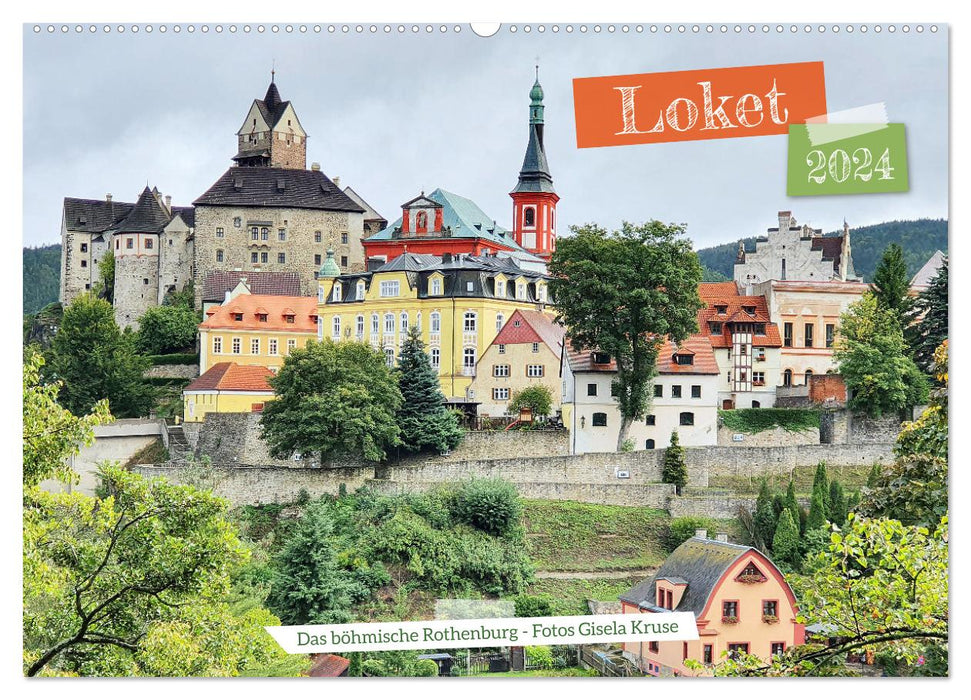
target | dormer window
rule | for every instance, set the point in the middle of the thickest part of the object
(238, 316)
(501, 288)
(361, 288)
(715, 327)
(751, 574)
(684, 359)
(436, 286)
(750, 310)
(601, 358)
(721, 308)
(262, 317)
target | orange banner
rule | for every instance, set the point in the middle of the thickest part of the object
(691, 105)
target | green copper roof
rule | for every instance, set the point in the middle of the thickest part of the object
(464, 217)
(330, 268)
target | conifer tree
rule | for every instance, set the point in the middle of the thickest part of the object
(837, 503)
(675, 471)
(785, 543)
(821, 486)
(792, 505)
(308, 585)
(817, 512)
(891, 283)
(927, 321)
(423, 419)
(765, 518)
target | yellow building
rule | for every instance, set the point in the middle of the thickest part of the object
(227, 388)
(459, 304)
(252, 329)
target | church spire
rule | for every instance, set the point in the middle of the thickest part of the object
(534, 199)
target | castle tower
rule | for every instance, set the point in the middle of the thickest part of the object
(136, 250)
(271, 136)
(534, 200)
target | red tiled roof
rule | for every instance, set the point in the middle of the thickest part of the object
(534, 327)
(228, 376)
(275, 307)
(696, 345)
(725, 293)
(328, 666)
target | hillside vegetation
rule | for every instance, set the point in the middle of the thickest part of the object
(42, 277)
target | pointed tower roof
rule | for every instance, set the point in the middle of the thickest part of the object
(147, 216)
(535, 174)
(272, 106)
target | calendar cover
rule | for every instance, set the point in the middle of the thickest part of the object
(485, 351)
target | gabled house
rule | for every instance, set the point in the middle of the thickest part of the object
(525, 352)
(227, 387)
(739, 598)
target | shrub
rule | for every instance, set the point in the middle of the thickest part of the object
(682, 529)
(756, 420)
(538, 398)
(533, 606)
(178, 358)
(425, 668)
(167, 329)
(492, 505)
(540, 657)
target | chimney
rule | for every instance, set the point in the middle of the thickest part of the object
(315, 167)
(337, 181)
(721, 536)
(701, 533)
(168, 202)
(446, 257)
(108, 197)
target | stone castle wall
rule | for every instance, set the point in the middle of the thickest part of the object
(133, 296)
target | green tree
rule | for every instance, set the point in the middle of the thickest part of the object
(675, 471)
(764, 521)
(424, 420)
(167, 329)
(624, 293)
(927, 321)
(52, 434)
(309, 587)
(821, 486)
(94, 360)
(490, 504)
(108, 582)
(837, 503)
(538, 398)
(680, 530)
(185, 297)
(792, 505)
(785, 543)
(333, 399)
(817, 512)
(891, 283)
(872, 359)
(104, 287)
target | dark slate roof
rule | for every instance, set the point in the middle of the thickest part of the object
(535, 173)
(699, 562)
(831, 247)
(94, 215)
(147, 216)
(263, 283)
(271, 106)
(277, 187)
(188, 215)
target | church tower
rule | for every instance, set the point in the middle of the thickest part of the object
(534, 200)
(271, 136)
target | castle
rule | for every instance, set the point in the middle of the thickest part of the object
(267, 214)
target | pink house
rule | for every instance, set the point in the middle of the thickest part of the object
(740, 600)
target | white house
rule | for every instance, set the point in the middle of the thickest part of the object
(684, 399)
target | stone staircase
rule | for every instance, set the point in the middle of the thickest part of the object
(179, 449)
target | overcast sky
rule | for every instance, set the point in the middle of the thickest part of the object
(392, 114)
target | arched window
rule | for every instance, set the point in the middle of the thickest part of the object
(809, 374)
(468, 359)
(360, 326)
(436, 322)
(470, 319)
(421, 222)
(600, 420)
(500, 321)
(418, 321)
(756, 404)
(389, 357)
(360, 289)
(404, 323)
(787, 378)
(389, 324)
(529, 217)
(375, 324)
(336, 330)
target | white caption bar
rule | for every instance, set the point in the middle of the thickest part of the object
(490, 632)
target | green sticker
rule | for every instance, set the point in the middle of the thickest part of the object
(847, 159)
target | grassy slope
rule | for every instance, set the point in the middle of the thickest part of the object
(850, 477)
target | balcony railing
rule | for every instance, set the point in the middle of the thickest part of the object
(468, 371)
(470, 338)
